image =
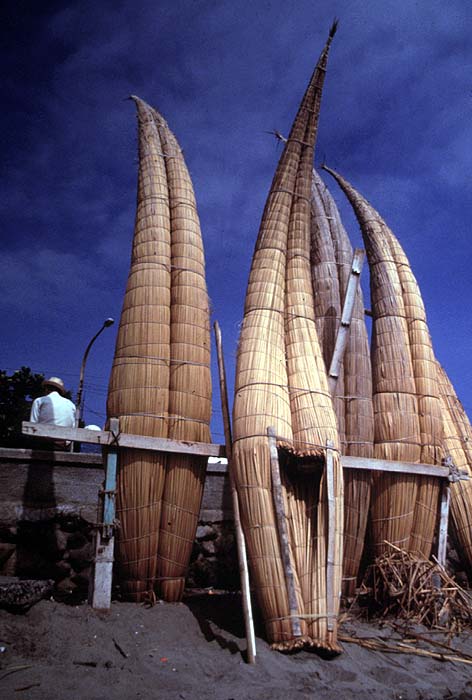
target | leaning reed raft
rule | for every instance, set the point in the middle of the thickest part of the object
(458, 444)
(160, 382)
(407, 410)
(281, 382)
(331, 260)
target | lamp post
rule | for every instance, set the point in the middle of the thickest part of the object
(108, 322)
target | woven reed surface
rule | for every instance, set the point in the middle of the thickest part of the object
(326, 291)
(281, 382)
(429, 404)
(331, 260)
(406, 404)
(160, 380)
(190, 379)
(458, 444)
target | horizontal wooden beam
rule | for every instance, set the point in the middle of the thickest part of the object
(106, 438)
(383, 465)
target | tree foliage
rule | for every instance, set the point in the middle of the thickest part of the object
(17, 392)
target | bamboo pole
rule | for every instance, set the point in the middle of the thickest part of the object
(283, 533)
(240, 541)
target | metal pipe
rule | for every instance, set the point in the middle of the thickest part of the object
(79, 403)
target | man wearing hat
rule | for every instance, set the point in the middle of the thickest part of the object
(54, 408)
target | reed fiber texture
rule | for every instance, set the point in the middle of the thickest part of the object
(190, 379)
(160, 384)
(281, 382)
(331, 256)
(405, 390)
(429, 405)
(458, 445)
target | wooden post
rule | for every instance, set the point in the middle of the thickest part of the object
(330, 593)
(443, 521)
(240, 541)
(346, 317)
(104, 539)
(283, 533)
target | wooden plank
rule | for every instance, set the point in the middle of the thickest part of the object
(240, 540)
(342, 335)
(443, 522)
(46, 430)
(283, 533)
(384, 465)
(100, 597)
(140, 442)
(330, 593)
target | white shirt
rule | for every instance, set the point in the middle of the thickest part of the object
(54, 409)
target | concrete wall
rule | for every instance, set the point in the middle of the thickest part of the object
(49, 506)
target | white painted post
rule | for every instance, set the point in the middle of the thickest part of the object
(240, 539)
(443, 521)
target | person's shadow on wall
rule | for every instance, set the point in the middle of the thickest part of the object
(37, 547)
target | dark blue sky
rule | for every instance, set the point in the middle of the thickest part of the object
(395, 121)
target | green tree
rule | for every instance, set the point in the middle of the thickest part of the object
(17, 392)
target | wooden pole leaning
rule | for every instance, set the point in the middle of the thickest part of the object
(101, 579)
(240, 540)
(283, 532)
(346, 318)
(330, 592)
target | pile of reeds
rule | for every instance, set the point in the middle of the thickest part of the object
(331, 261)
(160, 382)
(399, 584)
(407, 409)
(281, 383)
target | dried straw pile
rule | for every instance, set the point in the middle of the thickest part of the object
(281, 382)
(407, 409)
(160, 380)
(331, 259)
(458, 444)
(402, 585)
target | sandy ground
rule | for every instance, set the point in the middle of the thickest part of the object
(196, 649)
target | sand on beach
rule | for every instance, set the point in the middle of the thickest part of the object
(195, 649)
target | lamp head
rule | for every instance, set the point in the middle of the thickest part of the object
(109, 322)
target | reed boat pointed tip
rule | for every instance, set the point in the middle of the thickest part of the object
(334, 27)
(141, 106)
(327, 169)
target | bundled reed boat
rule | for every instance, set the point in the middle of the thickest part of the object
(281, 383)
(407, 408)
(458, 445)
(331, 261)
(160, 383)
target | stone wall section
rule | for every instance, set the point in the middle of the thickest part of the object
(49, 509)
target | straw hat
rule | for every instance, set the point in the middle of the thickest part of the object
(56, 383)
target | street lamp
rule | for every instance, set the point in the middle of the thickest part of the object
(108, 322)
